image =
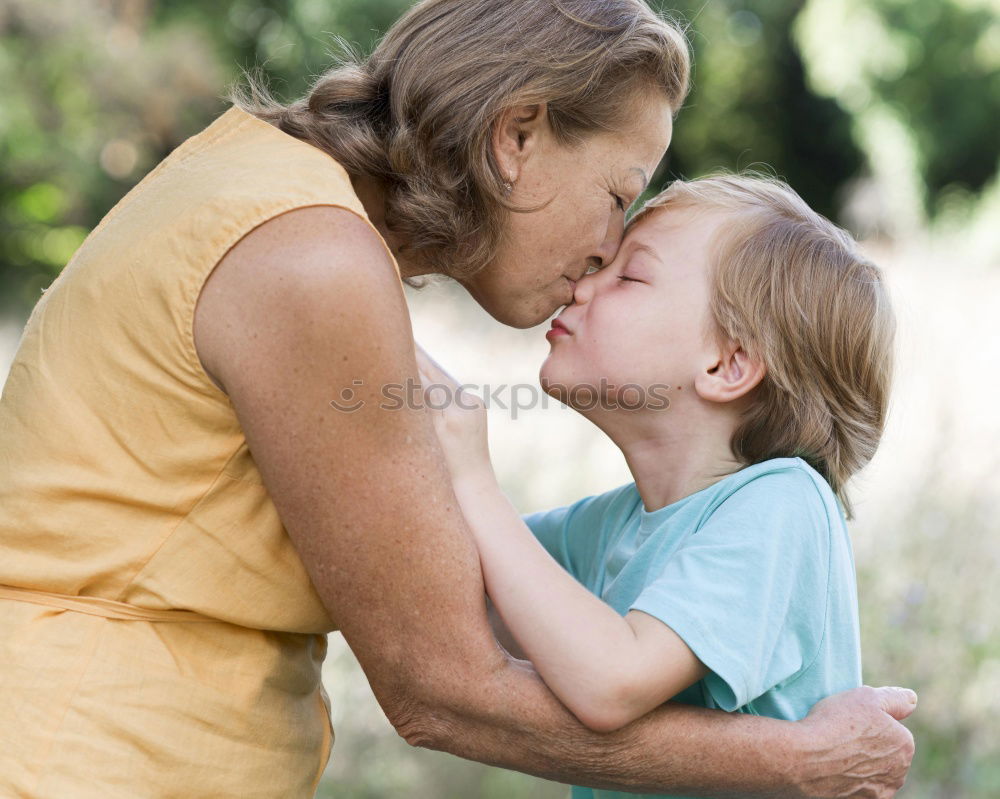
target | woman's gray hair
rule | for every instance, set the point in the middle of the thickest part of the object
(418, 113)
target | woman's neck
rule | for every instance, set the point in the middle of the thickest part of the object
(372, 195)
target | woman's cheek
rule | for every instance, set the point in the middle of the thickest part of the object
(594, 223)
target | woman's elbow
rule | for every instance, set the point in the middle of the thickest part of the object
(431, 706)
(416, 720)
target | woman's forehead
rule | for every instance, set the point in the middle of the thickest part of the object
(642, 142)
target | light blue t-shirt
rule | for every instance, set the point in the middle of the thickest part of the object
(755, 573)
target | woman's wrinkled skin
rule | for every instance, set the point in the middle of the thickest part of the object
(309, 303)
(580, 192)
(585, 190)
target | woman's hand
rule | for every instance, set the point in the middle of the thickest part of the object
(459, 420)
(854, 745)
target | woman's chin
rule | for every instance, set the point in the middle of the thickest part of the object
(518, 310)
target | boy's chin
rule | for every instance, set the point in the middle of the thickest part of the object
(568, 391)
(553, 387)
(550, 378)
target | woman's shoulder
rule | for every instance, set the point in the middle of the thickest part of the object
(282, 228)
(220, 183)
(255, 153)
(301, 266)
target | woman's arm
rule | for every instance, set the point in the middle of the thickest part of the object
(608, 670)
(302, 307)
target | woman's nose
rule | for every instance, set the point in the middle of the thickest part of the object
(584, 288)
(608, 249)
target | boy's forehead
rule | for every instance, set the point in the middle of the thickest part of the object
(665, 219)
(678, 229)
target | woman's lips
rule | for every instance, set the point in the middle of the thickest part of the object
(572, 290)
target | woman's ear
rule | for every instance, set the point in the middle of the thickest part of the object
(732, 375)
(516, 136)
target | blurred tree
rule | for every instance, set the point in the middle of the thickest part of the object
(93, 98)
(114, 85)
(749, 105)
(291, 40)
(921, 82)
(97, 92)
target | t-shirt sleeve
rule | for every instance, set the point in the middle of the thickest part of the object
(576, 535)
(748, 590)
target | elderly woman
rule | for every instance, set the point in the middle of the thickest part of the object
(185, 515)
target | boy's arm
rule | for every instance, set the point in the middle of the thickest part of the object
(606, 669)
(850, 744)
(502, 633)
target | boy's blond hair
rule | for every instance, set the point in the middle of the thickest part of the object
(795, 291)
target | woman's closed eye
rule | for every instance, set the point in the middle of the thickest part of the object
(620, 202)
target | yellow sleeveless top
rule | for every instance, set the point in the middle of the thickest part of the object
(159, 636)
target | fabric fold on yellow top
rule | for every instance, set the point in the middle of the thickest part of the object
(128, 495)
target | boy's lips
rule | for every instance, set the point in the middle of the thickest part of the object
(558, 330)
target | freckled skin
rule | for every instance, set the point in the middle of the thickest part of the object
(582, 223)
(366, 497)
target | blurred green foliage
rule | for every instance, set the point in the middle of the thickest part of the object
(750, 107)
(98, 91)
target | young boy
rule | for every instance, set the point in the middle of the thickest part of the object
(738, 351)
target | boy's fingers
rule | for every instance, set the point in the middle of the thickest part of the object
(424, 360)
(897, 702)
(433, 368)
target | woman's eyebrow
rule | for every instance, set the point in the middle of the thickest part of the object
(642, 174)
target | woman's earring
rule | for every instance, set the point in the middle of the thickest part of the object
(508, 187)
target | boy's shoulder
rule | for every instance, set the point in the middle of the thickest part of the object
(589, 515)
(778, 480)
(617, 503)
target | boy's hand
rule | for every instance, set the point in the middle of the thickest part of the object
(459, 419)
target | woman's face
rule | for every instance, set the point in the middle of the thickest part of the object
(584, 189)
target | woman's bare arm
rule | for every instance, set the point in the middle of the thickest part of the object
(302, 308)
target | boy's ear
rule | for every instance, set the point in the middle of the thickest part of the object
(732, 375)
(516, 136)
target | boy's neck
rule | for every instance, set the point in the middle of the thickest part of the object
(674, 453)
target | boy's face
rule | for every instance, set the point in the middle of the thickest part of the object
(643, 320)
